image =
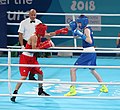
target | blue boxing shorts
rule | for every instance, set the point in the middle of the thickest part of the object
(87, 59)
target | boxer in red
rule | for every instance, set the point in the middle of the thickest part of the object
(28, 57)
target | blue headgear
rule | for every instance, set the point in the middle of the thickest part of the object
(83, 20)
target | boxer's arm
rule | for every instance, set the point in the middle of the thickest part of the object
(33, 41)
(61, 31)
(21, 40)
(57, 32)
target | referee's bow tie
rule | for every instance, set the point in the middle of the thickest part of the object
(32, 21)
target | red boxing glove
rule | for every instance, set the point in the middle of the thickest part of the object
(46, 44)
(61, 31)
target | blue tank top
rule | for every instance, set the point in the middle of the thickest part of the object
(86, 44)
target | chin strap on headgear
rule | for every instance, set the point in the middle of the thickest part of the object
(40, 29)
(83, 20)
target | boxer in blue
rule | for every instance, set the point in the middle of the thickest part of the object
(79, 28)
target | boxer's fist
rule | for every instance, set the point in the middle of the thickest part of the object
(61, 31)
(46, 44)
(78, 33)
(73, 25)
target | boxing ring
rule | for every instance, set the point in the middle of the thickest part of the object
(57, 81)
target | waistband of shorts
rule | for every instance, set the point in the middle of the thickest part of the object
(90, 49)
(28, 54)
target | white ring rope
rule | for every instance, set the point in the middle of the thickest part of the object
(67, 97)
(60, 48)
(62, 82)
(87, 14)
(62, 66)
(95, 25)
(66, 51)
(95, 37)
(46, 24)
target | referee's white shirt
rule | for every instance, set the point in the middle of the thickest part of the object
(27, 28)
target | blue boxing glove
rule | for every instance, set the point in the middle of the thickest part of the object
(77, 32)
(73, 25)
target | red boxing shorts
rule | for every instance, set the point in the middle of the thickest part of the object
(29, 60)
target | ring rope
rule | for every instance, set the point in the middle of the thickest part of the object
(95, 25)
(61, 82)
(66, 51)
(62, 66)
(95, 37)
(87, 14)
(73, 97)
(19, 47)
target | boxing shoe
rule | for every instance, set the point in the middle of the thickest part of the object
(72, 91)
(14, 97)
(104, 89)
(42, 93)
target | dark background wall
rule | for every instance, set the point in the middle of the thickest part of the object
(3, 26)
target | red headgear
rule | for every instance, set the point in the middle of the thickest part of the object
(40, 29)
